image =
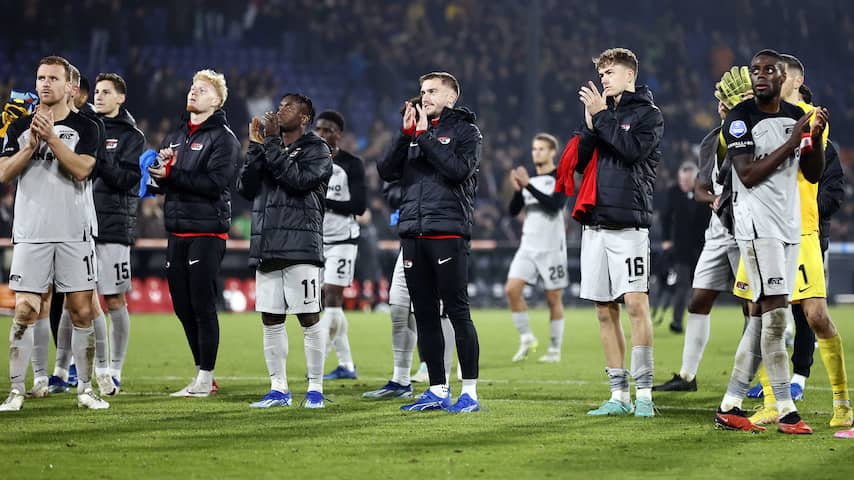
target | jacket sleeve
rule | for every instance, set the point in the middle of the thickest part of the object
(831, 186)
(516, 204)
(392, 194)
(217, 175)
(551, 203)
(457, 165)
(303, 172)
(635, 144)
(123, 173)
(358, 191)
(390, 167)
(251, 172)
(586, 146)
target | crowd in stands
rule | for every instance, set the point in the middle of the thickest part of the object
(520, 65)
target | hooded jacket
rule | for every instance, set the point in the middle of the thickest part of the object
(627, 139)
(287, 186)
(115, 184)
(437, 172)
(198, 188)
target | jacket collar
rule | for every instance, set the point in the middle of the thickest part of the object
(216, 120)
(642, 95)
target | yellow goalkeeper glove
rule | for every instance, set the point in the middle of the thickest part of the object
(733, 85)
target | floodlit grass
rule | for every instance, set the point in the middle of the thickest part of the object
(534, 425)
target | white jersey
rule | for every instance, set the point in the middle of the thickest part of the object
(50, 206)
(347, 174)
(770, 209)
(543, 230)
(716, 233)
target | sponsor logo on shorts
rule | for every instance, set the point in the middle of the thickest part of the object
(197, 146)
(737, 129)
(112, 143)
(775, 281)
(407, 264)
(14, 278)
(802, 290)
(743, 286)
(444, 140)
(625, 126)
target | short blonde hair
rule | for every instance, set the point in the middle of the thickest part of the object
(215, 79)
(548, 138)
(619, 56)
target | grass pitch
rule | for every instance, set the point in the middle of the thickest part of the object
(534, 425)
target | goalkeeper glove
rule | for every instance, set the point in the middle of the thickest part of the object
(733, 85)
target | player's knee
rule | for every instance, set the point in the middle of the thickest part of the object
(701, 302)
(513, 290)
(308, 319)
(80, 313)
(115, 302)
(272, 318)
(27, 308)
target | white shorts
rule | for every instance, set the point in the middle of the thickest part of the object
(340, 259)
(295, 289)
(550, 265)
(771, 266)
(398, 292)
(113, 268)
(717, 266)
(71, 266)
(613, 263)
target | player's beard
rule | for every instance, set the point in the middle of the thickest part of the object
(193, 109)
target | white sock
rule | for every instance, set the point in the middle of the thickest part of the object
(330, 323)
(63, 346)
(520, 319)
(556, 334)
(696, 337)
(341, 340)
(786, 407)
(644, 393)
(83, 349)
(102, 362)
(276, 355)
(119, 337)
(403, 339)
(41, 347)
(450, 342)
(729, 402)
(470, 387)
(20, 349)
(774, 354)
(204, 379)
(314, 339)
(800, 380)
(440, 390)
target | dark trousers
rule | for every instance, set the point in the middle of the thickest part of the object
(192, 267)
(802, 354)
(682, 291)
(57, 301)
(437, 269)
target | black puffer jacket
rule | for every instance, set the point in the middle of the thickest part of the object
(198, 197)
(627, 137)
(287, 186)
(115, 185)
(438, 176)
